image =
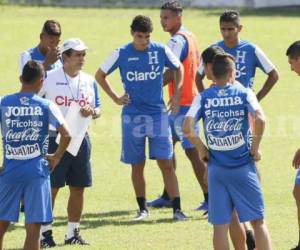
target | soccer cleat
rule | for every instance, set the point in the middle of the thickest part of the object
(159, 203)
(142, 215)
(179, 215)
(203, 206)
(250, 240)
(76, 239)
(296, 248)
(48, 241)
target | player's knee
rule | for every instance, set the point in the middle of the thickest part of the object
(257, 223)
(76, 191)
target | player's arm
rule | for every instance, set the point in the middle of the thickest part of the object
(176, 69)
(199, 81)
(52, 55)
(93, 109)
(189, 129)
(259, 124)
(109, 65)
(101, 78)
(56, 119)
(267, 66)
(200, 77)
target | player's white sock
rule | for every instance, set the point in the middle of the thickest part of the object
(70, 230)
(45, 228)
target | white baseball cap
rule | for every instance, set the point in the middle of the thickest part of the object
(73, 43)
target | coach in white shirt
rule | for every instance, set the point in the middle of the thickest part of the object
(70, 86)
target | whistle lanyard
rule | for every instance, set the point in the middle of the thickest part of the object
(78, 86)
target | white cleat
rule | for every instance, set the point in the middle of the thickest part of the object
(142, 215)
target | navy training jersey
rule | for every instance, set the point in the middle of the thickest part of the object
(224, 111)
(25, 120)
(142, 75)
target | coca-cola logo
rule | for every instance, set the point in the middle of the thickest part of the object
(30, 134)
(229, 125)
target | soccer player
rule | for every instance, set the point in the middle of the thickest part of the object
(248, 56)
(144, 116)
(236, 229)
(47, 51)
(184, 45)
(232, 176)
(64, 86)
(25, 120)
(293, 53)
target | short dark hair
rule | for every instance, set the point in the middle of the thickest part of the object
(32, 71)
(222, 64)
(209, 54)
(141, 24)
(174, 6)
(50, 28)
(68, 52)
(293, 50)
(231, 16)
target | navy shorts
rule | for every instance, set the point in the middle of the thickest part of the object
(72, 170)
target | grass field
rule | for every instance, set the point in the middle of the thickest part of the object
(110, 203)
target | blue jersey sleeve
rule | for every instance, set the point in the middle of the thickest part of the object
(97, 98)
(196, 108)
(111, 63)
(172, 62)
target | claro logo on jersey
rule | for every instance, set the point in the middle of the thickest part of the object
(136, 76)
(66, 101)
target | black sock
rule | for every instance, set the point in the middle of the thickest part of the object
(176, 204)
(142, 203)
(22, 208)
(165, 195)
(206, 197)
(250, 239)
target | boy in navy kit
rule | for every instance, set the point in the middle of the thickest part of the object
(293, 53)
(232, 177)
(144, 116)
(25, 120)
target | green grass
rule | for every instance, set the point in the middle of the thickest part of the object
(110, 203)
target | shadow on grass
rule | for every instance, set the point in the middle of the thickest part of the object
(95, 220)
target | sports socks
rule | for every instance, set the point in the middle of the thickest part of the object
(142, 203)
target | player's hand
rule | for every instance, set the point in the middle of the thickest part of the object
(52, 55)
(256, 155)
(86, 111)
(173, 105)
(123, 100)
(204, 154)
(296, 160)
(53, 160)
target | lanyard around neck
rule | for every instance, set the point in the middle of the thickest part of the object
(78, 86)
